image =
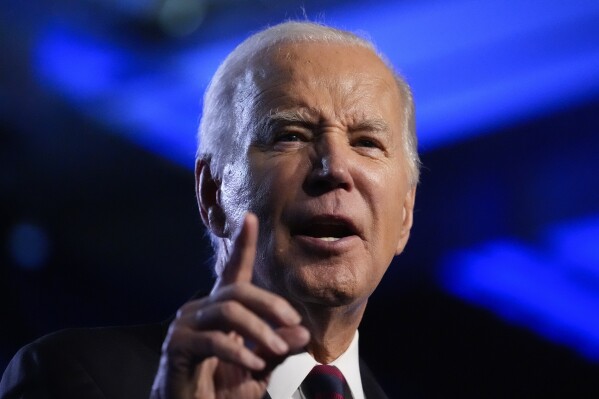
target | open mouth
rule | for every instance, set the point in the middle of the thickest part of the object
(326, 229)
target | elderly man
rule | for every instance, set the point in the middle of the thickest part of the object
(305, 178)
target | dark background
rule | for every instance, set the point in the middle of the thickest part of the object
(99, 225)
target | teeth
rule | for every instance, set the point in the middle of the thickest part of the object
(328, 238)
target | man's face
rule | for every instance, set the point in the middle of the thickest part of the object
(325, 171)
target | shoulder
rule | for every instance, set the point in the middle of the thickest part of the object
(94, 348)
(104, 341)
(86, 362)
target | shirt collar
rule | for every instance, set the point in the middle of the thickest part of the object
(287, 377)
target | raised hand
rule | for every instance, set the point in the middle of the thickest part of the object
(225, 345)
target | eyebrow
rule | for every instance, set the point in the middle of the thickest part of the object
(302, 116)
(274, 118)
(309, 118)
(373, 125)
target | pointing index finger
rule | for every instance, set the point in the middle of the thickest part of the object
(240, 266)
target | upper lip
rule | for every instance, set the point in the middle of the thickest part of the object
(326, 226)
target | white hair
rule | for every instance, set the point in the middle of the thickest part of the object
(224, 117)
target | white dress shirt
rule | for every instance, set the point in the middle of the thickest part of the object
(287, 377)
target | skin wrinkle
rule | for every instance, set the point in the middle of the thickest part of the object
(308, 118)
(348, 89)
(330, 198)
(345, 102)
(248, 57)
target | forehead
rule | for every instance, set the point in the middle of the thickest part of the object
(325, 76)
(309, 56)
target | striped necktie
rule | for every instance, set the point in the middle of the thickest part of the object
(325, 382)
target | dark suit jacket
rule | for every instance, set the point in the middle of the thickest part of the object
(100, 363)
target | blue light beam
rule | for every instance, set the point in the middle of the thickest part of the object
(474, 66)
(554, 291)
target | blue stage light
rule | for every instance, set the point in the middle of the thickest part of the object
(474, 66)
(551, 288)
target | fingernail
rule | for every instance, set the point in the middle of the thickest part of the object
(279, 345)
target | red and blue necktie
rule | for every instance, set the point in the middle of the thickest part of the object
(325, 382)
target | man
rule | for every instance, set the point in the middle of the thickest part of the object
(305, 178)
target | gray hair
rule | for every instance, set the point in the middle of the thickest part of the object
(222, 122)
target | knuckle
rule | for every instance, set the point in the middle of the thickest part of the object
(228, 292)
(229, 309)
(237, 352)
(199, 316)
(174, 342)
(278, 304)
(244, 286)
(186, 307)
(213, 342)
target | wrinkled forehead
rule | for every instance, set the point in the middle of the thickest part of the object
(308, 74)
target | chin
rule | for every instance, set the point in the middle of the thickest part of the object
(328, 285)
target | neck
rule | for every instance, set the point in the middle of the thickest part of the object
(332, 329)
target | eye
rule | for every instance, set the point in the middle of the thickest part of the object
(292, 136)
(288, 137)
(366, 143)
(289, 140)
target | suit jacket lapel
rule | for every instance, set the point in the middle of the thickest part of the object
(372, 389)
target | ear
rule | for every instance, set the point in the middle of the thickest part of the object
(208, 197)
(407, 219)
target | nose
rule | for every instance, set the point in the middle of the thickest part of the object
(331, 166)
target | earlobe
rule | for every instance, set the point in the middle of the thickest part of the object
(407, 220)
(207, 193)
(217, 221)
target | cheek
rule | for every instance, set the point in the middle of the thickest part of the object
(274, 181)
(381, 187)
(275, 185)
(272, 190)
(387, 188)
